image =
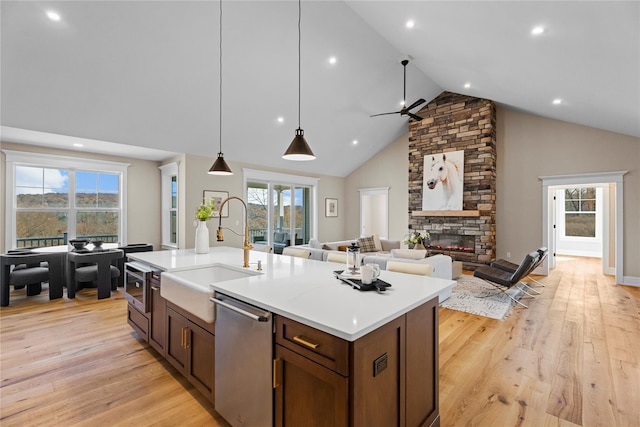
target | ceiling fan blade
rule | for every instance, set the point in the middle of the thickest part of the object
(415, 104)
(385, 114)
(415, 117)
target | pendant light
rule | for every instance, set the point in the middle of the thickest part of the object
(299, 149)
(220, 167)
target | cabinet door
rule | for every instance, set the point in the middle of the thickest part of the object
(308, 394)
(158, 321)
(200, 370)
(177, 332)
(422, 364)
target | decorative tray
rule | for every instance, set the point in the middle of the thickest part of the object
(377, 285)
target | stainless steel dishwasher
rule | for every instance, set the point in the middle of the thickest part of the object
(243, 363)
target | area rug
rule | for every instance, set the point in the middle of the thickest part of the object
(474, 296)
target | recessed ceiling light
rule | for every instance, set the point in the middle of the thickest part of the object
(557, 101)
(355, 142)
(53, 15)
(467, 85)
(77, 144)
(536, 31)
(410, 23)
(333, 60)
(280, 119)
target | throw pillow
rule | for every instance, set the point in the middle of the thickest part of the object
(367, 244)
(377, 241)
(408, 253)
(326, 247)
(343, 248)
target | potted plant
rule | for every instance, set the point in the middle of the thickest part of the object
(416, 239)
(203, 214)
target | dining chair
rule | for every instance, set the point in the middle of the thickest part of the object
(93, 266)
(409, 268)
(296, 252)
(26, 269)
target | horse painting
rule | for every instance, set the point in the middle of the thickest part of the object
(443, 181)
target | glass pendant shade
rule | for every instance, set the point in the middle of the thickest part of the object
(220, 167)
(299, 149)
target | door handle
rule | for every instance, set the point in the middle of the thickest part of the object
(239, 310)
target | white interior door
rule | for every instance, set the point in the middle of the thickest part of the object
(374, 211)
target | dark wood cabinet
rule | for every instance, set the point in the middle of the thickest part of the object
(388, 377)
(307, 393)
(157, 316)
(190, 349)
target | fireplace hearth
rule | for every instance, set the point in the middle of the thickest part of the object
(451, 243)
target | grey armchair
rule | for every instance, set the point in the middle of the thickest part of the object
(26, 269)
(93, 266)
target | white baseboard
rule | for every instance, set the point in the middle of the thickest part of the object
(630, 281)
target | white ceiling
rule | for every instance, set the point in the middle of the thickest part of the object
(145, 74)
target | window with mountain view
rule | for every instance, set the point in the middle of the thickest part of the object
(54, 205)
(279, 209)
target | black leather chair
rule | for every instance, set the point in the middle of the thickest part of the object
(128, 249)
(93, 266)
(511, 267)
(26, 269)
(503, 280)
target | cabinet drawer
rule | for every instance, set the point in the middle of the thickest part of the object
(138, 322)
(327, 350)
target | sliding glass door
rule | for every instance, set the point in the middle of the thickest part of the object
(280, 214)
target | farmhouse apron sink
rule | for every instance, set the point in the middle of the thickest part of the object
(190, 289)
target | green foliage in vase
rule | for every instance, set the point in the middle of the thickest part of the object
(204, 211)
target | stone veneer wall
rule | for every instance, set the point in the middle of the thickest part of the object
(454, 122)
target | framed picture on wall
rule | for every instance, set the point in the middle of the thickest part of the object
(330, 207)
(218, 197)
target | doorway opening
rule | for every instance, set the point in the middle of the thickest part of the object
(374, 211)
(612, 235)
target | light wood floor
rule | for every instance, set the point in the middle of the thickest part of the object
(571, 359)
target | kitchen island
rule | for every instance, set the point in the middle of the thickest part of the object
(340, 356)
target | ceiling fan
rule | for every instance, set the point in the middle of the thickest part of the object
(404, 111)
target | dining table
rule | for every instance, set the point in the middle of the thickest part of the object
(102, 256)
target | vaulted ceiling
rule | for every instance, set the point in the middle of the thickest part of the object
(141, 78)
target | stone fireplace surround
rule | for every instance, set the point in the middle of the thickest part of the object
(454, 122)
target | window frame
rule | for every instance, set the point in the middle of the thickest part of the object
(294, 181)
(169, 171)
(72, 164)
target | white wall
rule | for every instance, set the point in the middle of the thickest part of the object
(388, 168)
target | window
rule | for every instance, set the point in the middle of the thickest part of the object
(280, 206)
(580, 212)
(52, 199)
(169, 205)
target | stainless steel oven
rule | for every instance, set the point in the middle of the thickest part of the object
(137, 278)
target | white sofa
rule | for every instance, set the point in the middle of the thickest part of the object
(320, 251)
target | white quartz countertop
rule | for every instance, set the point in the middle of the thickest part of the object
(305, 290)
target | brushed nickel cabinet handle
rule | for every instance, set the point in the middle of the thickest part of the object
(299, 339)
(155, 288)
